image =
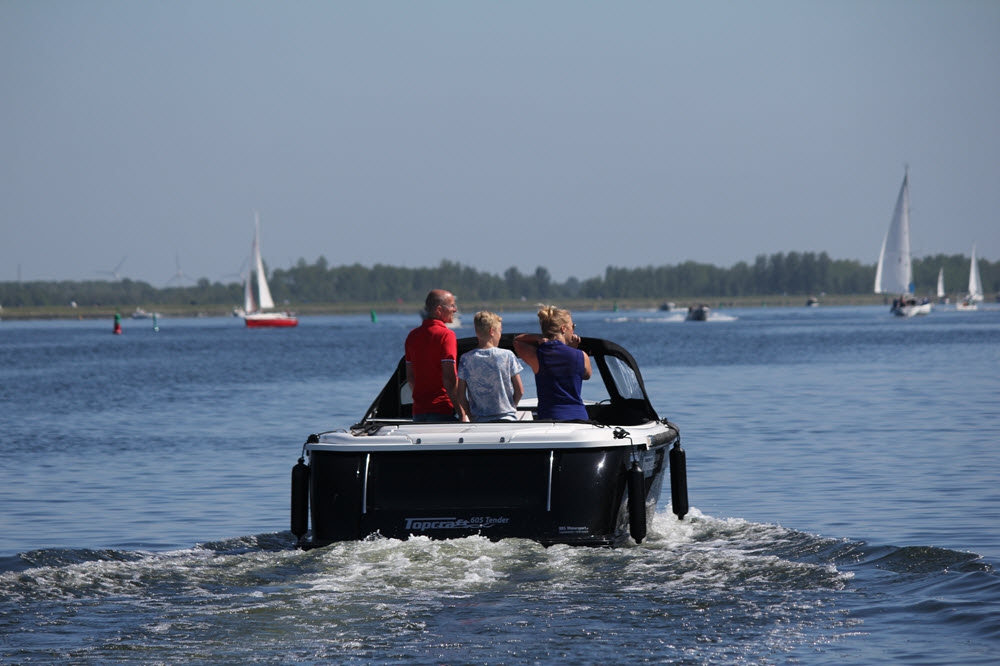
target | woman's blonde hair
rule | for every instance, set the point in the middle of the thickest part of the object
(552, 319)
(485, 320)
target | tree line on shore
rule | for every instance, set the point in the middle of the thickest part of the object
(791, 274)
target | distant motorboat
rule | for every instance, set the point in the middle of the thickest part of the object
(668, 306)
(909, 306)
(812, 302)
(894, 274)
(698, 312)
(255, 313)
(975, 293)
(142, 314)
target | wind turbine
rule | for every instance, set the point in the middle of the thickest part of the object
(242, 275)
(180, 275)
(116, 273)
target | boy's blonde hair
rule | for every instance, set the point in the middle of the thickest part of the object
(552, 319)
(485, 320)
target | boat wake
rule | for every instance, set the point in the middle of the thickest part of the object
(668, 318)
(682, 596)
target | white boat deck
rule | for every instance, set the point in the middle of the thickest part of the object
(397, 436)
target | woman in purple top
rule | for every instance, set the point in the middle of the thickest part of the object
(559, 366)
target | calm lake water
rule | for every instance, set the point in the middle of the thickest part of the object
(842, 469)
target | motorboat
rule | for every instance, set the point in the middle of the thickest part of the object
(698, 312)
(594, 482)
(143, 314)
(909, 306)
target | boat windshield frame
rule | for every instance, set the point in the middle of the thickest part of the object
(627, 403)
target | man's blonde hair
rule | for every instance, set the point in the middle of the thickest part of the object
(485, 320)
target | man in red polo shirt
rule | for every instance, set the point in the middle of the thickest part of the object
(431, 361)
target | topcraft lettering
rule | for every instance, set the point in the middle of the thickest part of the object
(453, 523)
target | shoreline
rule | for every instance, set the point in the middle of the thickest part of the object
(610, 305)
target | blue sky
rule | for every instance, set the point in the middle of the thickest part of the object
(570, 135)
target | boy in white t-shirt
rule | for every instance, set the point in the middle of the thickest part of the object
(489, 382)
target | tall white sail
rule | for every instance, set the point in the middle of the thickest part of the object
(894, 274)
(248, 304)
(940, 285)
(263, 293)
(975, 282)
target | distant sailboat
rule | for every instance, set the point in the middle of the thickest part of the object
(975, 295)
(255, 313)
(894, 274)
(942, 298)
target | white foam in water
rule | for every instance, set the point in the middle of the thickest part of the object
(417, 563)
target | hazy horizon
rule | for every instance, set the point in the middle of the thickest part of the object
(527, 273)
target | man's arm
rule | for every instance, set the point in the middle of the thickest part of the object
(450, 381)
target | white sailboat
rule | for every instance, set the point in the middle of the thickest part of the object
(942, 298)
(975, 295)
(894, 274)
(256, 313)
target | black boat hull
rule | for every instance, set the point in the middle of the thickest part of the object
(573, 496)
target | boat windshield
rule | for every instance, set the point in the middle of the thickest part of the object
(615, 394)
(624, 378)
